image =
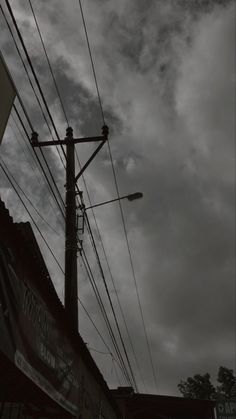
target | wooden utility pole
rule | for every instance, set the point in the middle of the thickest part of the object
(71, 287)
(71, 245)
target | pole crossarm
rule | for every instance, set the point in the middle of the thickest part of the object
(102, 138)
(36, 143)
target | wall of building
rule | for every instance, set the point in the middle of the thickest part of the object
(142, 406)
(37, 338)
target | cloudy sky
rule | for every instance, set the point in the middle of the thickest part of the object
(166, 72)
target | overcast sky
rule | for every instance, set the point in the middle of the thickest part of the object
(166, 72)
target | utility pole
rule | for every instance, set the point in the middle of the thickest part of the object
(71, 245)
(71, 287)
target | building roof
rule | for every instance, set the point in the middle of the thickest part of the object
(147, 405)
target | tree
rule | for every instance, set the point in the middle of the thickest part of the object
(227, 380)
(200, 386)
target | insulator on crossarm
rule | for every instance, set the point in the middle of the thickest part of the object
(34, 138)
(105, 130)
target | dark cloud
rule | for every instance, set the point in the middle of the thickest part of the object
(165, 71)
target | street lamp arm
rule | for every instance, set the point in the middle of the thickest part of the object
(130, 197)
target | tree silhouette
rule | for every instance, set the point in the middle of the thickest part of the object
(200, 386)
(227, 387)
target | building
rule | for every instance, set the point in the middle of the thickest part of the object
(46, 370)
(148, 406)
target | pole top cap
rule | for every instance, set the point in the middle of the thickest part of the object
(69, 132)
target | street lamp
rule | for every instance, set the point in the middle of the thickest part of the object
(130, 197)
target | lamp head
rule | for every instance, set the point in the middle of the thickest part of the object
(133, 196)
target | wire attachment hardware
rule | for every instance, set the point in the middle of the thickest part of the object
(105, 131)
(34, 138)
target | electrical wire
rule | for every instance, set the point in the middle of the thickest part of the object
(117, 376)
(24, 110)
(118, 195)
(92, 62)
(99, 97)
(90, 318)
(118, 300)
(107, 291)
(99, 352)
(56, 87)
(109, 327)
(35, 168)
(30, 82)
(30, 215)
(31, 66)
(36, 81)
(49, 63)
(104, 314)
(29, 200)
(133, 270)
(113, 282)
(113, 359)
(9, 175)
(100, 335)
(38, 160)
(110, 301)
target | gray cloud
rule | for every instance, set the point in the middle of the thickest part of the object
(166, 74)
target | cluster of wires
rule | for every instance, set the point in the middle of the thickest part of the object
(40, 163)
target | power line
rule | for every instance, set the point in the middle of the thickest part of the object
(100, 335)
(32, 69)
(92, 62)
(50, 67)
(28, 199)
(113, 282)
(31, 217)
(49, 63)
(34, 74)
(94, 245)
(118, 195)
(118, 300)
(132, 268)
(32, 155)
(30, 82)
(112, 358)
(22, 105)
(89, 316)
(101, 305)
(99, 352)
(30, 64)
(110, 301)
(39, 162)
(9, 175)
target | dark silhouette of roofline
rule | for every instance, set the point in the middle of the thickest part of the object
(26, 236)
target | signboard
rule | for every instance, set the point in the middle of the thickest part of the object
(33, 340)
(7, 96)
(226, 409)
